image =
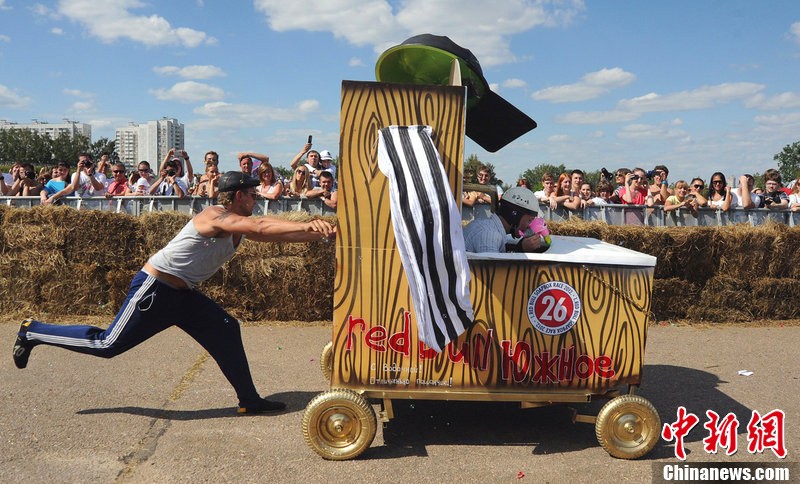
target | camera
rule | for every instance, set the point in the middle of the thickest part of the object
(608, 176)
(634, 177)
(170, 172)
(770, 198)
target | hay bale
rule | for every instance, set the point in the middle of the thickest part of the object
(724, 298)
(40, 229)
(83, 292)
(111, 240)
(673, 297)
(117, 282)
(784, 253)
(746, 252)
(774, 298)
(158, 228)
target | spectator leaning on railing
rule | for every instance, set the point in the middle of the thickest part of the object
(681, 199)
(774, 198)
(168, 184)
(562, 191)
(326, 190)
(744, 195)
(635, 190)
(719, 193)
(85, 181)
(548, 187)
(794, 198)
(208, 185)
(58, 187)
(269, 186)
(659, 190)
(119, 186)
(142, 186)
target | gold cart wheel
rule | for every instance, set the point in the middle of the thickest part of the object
(628, 427)
(339, 424)
(326, 361)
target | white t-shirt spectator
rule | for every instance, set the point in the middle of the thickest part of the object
(142, 186)
(85, 187)
(167, 190)
(736, 201)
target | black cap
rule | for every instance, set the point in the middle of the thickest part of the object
(492, 122)
(230, 181)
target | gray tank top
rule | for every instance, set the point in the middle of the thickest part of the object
(193, 257)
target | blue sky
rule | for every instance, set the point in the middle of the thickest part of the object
(699, 86)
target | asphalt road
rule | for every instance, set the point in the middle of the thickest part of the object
(162, 412)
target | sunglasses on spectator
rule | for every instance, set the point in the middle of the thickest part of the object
(698, 186)
(117, 171)
(716, 181)
(301, 171)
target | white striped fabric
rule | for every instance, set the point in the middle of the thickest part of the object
(427, 227)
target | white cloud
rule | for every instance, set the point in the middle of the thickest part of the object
(77, 93)
(591, 85)
(3, 5)
(56, 31)
(11, 99)
(355, 62)
(558, 138)
(188, 92)
(795, 30)
(781, 101)
(222, 115)
(648, 131)
(484, 28)
(111, 20)
(780, 120)
(596, 117)
(82, 107)
(191, 72)
(514, 83)
(40, 10)
(5, 38)
(700, 98)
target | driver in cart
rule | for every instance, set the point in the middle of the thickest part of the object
(515, 212)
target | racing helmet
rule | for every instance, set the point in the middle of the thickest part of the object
(517, 202)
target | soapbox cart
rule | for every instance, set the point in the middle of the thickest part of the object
(565, 326)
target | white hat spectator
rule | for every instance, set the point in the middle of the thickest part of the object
(325, 155)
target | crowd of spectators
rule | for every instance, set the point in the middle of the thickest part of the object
(651, 188)
(313, 176)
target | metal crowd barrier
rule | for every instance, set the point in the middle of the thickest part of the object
(138, 205)
(654, 216)
(611, 214)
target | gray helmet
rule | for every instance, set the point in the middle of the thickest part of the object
(515, 203)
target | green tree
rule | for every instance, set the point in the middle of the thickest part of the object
(103, 145)
(67, 148)
(534, 175)
(24, 146)
(789, 162)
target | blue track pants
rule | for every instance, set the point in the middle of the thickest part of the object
(151, 307)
